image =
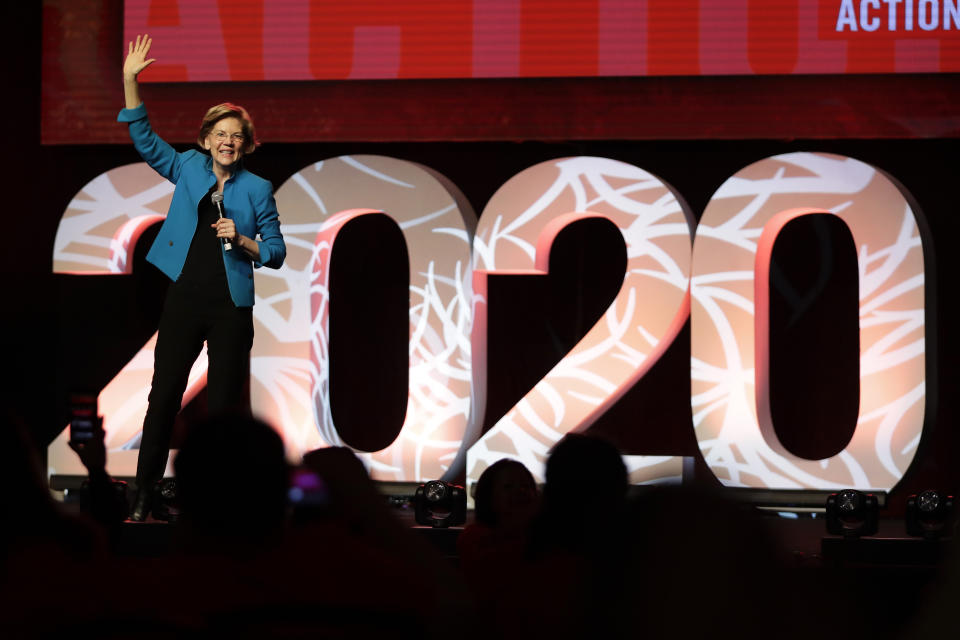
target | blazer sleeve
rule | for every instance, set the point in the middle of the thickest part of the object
(273, 250)
(161, 157)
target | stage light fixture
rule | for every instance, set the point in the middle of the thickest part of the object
(852, 513)
(929, 514)
(440, 504)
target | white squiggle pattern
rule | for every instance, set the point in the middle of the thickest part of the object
(514, 235)
(96, 232)
(892, 357)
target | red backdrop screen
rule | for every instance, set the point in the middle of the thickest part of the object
(244, 40)
(318, 71)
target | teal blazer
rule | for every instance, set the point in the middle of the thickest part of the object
(247, 200)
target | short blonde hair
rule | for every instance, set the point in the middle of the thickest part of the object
(229, 110)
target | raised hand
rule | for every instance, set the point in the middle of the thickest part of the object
(136, 60)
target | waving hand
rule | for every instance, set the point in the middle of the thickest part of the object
(135, 62)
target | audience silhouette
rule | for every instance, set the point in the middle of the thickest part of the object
(50, 557)
(265, 549)
(493, 548)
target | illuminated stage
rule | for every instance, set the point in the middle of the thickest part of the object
(716, 234)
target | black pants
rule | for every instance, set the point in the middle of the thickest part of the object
(193, 313)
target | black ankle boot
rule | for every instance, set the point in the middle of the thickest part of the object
(141, 505)
(164, 501)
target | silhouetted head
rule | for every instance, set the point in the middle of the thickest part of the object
(506, 493)
(585, 470)
(346, 484)
(232, 477)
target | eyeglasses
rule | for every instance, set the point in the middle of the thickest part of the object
(234, 137)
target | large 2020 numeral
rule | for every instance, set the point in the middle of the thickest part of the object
(729, 346)
(726, 298)
(515, 234)
(436, 222)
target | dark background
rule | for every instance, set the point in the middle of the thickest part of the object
(698, 132)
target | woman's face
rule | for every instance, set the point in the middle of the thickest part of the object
(225, 142)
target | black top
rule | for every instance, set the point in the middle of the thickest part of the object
(204, 263)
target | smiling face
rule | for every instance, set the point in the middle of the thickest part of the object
(225, 142)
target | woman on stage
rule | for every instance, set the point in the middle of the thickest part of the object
(207, 247)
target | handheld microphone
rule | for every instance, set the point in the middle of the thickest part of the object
(217, 199)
